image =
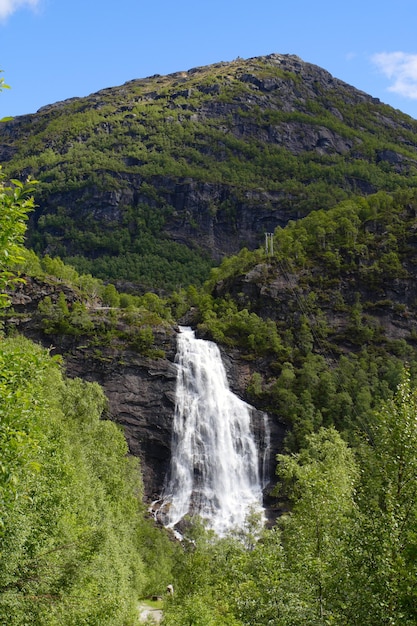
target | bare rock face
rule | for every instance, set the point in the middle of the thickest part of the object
(141, 396)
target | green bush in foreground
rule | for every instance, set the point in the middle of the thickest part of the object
(69, 497)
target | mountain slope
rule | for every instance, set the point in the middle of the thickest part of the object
(165, 173)
(328, 320)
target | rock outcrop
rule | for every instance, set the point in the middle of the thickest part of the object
(141, 397)
(140, 389)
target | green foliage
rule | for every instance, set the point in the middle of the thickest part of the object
(345, 552)
(200, 595)
(159, 553)
(71, 519)
(4, 86)
(70, 500)
(2, 83)
(18, 445)
(233, 266)
(313, 308)
(165, 265)
(110, 296)
(232, 326)
(235, 327)
(15, 203)
(320, 482)
(80, 305)
(384, 547)
(132, 326)
(57, 318)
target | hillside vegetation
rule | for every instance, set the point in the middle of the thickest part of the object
(307, 568)
(150, 181)
(137, 185)
(76, 544)
(328, 324)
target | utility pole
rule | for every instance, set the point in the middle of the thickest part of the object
(269, 244)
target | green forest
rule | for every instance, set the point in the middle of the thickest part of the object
(77, 545)
(326, 323)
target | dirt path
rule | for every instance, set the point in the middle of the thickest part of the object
(146, 611)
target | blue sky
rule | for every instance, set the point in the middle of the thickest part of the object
(51, 50)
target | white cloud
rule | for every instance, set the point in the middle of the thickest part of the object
(401, 69)
(7, 7)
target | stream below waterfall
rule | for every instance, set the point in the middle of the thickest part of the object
(218, 467)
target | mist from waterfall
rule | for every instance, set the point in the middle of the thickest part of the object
(217, 470)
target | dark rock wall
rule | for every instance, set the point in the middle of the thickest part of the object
(140, 390)
(141, 396)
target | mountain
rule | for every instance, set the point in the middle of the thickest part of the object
(152, 182)
(148, 185)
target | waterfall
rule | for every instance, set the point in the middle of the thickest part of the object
(217, 471)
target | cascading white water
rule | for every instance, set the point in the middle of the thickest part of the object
(215, 466)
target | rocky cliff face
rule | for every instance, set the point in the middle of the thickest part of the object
(140, 389)
(141, 396)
